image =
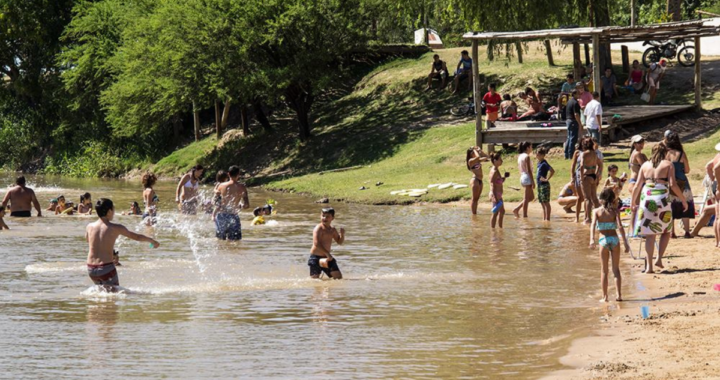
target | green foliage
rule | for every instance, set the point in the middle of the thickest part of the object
(94, 160)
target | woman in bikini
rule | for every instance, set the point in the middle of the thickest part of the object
(576, 179)
(589, 176)
(606, 220)
(657, 177)
(186, 195)
(474, 159)
(526, 178)
(496, 190)
(676, 155)
(150, 199)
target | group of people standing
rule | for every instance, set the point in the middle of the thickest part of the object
(659, 193)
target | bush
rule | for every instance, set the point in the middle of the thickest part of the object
(94, 160)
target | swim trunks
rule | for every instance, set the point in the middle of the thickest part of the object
(544, 192)
(316, 269)
(227, 226)
(20, 214)
(103, 274)
(189, 207)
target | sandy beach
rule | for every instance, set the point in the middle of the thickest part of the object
(677, 341)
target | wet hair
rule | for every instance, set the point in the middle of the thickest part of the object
(60, 197)
(607, 198)
(221, 176)
(542, 151)
(673, 142)
(587, 144)
(464, 52)
(84, 197)
(267, 208)
(149, 179)
(492, 86)
(135, 205)
(494, 156)
(256, 212)
(234, 171)
(196, 168)
(596, 95)
(329, 210)
(524, 146)
(612, 167)
(507, 97)
(20, 181)
(659, 152)
(103, 206)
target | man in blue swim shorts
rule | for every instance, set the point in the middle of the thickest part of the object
(233, 198)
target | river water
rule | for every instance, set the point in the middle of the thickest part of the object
(429, 293)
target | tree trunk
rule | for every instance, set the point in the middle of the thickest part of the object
(177, 126)
(632, 12)
(245, 120)
(491, 50)
(548, 49)
(218, 123)
(196, 120)
(518, 46)
(600, 13)
(260, 115)
(300, 99)
(225, 114)
(674, 9)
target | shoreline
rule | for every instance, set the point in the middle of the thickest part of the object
(676, 341)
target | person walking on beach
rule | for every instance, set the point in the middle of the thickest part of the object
(101, 236)
(186, 194)
(496, 190)
(654, 213)
(606, 220)
(526, 178)
(473, 160)
(233, 198)
(676, 155)
(22, 199)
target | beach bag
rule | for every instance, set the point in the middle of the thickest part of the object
(645, 96)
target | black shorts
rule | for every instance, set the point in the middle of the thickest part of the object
(316, 269)
(20, 214)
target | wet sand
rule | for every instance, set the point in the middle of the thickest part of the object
(677, 341)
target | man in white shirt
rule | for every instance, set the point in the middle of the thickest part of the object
(593, 117)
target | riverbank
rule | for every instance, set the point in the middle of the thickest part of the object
(678, 340)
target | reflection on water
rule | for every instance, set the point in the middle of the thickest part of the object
(430, 292)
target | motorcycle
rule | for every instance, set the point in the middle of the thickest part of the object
(669, 49)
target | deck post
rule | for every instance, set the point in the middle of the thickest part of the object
(587, 55)
(596, 70)
(477, 98)
(548, 48)
(577, 61)
(698, 71)
(625, 58)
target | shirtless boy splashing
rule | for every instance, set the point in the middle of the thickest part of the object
(101, 237)
(323, 235)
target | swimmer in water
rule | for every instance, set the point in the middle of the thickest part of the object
(150, 199)
(260, 213)
(85, 206)
(134, 209)
(53, 205)
(101, 236)
(323, 235)
(63, 207)
(606, 219)
(3, 226)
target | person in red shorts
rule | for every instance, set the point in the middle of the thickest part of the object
(492, 102)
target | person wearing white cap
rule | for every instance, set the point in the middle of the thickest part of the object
(655, 73)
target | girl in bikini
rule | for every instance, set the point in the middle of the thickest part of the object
(526, 178)
(589, 176)
(474, 159)
(186, 195)
(150, 199)
(496, 190)
(606, 220)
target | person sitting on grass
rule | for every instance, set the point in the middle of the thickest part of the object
(439, 70)
(508, 109)
(463, 71)
(492, 102)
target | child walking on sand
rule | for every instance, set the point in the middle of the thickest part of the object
(101, 236)
(606, 219)
(496, 190)
(323, 235)
(544, 173)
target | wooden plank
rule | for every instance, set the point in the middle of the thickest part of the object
(476, 94)
(698, 71)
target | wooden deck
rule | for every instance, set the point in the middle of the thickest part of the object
(555, 131)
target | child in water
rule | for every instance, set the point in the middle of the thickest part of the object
(63, 207)
(85, 206)
(323, 235)
(606, 219)
(260, 213)
(496, 190)
(150, 199)
(101, 236)
(53, 205)
(134, 209)
(544, 173)
(221, 177)
(3, 226)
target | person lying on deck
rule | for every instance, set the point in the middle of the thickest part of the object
(535, 111)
